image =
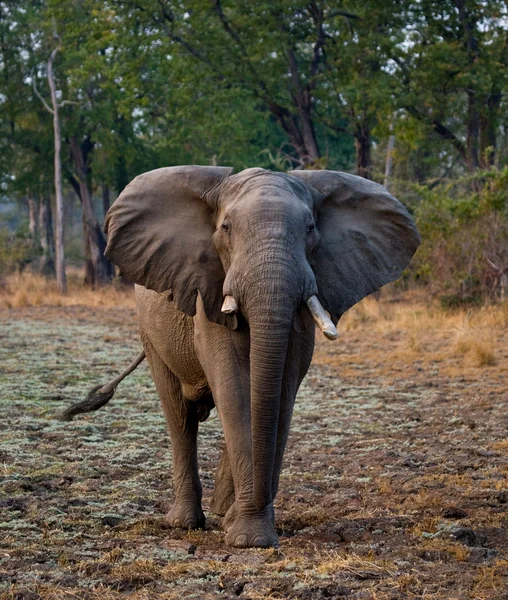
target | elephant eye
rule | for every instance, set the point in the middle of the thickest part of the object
(310, 228)
(226, 227)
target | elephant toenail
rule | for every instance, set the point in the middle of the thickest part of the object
(241, 541)
(176, 523)
(260, 541)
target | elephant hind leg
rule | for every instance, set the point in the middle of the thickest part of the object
(205, 405)
(224, 494)
(182, 419)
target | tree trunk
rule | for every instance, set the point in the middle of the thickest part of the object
(303, 137)
(290, 124)
(105, 198)
(99, 271)
(489, 124)
(89, 278)
(389, 159)
(47, 264)
(470, 42)
(33, 225)
(310, 142)
(61, 279)
(363, 151)
(473, 133)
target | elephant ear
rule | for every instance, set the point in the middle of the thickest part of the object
(160, 235)
(367, 238)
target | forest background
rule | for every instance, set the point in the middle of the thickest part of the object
(409, 93)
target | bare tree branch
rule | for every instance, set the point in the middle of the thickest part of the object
(342, 13)
(440, 129)
(169, 17)
(70, 102)
(37, 93)
(230, 31)
(317, 15)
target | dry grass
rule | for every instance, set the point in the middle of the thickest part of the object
(491, 578)
(417, 329)
(418, 314)
(478, 345)
(29, 289)
(357, 565)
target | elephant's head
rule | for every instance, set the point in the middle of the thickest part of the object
(262, 244)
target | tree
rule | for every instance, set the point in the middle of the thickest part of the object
(269, 52)
(61, 279)
(453, 73)
(25, 169)
(357, 92)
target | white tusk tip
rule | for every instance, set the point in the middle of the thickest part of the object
(229, 306)
(322, 318)
(331, 334)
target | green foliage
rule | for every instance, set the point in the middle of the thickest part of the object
(275, 84)
(465, 238)
(17, 250)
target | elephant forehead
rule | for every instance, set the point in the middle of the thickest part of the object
(262, 186)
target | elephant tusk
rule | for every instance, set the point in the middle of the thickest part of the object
(229, 306)
(321, 318)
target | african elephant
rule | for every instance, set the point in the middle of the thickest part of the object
(232, 272)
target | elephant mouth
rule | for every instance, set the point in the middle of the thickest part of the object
(319, 315)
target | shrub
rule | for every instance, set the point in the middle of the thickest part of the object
(464, 252)
(17, 250)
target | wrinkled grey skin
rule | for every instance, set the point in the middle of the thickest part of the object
(267, 240)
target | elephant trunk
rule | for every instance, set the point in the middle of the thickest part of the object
(270, 326)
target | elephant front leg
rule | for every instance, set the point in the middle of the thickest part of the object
(224, 356)
(182, 418)
(245, 526)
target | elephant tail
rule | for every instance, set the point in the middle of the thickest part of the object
(100, 395)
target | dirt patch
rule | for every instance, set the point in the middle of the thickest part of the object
(395, 480)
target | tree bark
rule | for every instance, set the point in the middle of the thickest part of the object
(99, 271)
(363, 150)
(489, 123)
(89, 278)
(473, 133)
(61, 279)
(389, 159)
(309, 134)
(105, 198)
(47, 264)
(308, 148)
(33, 225)
(470, 42)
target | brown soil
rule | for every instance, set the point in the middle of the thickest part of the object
(395, 483)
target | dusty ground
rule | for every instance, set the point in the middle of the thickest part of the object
(395, 485)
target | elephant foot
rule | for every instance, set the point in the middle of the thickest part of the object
(186, 516)
(251, 529)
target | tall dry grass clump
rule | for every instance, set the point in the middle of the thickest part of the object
(476, 337)
(29, 289)
(420, 326)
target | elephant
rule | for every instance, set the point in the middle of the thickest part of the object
(233, 272)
